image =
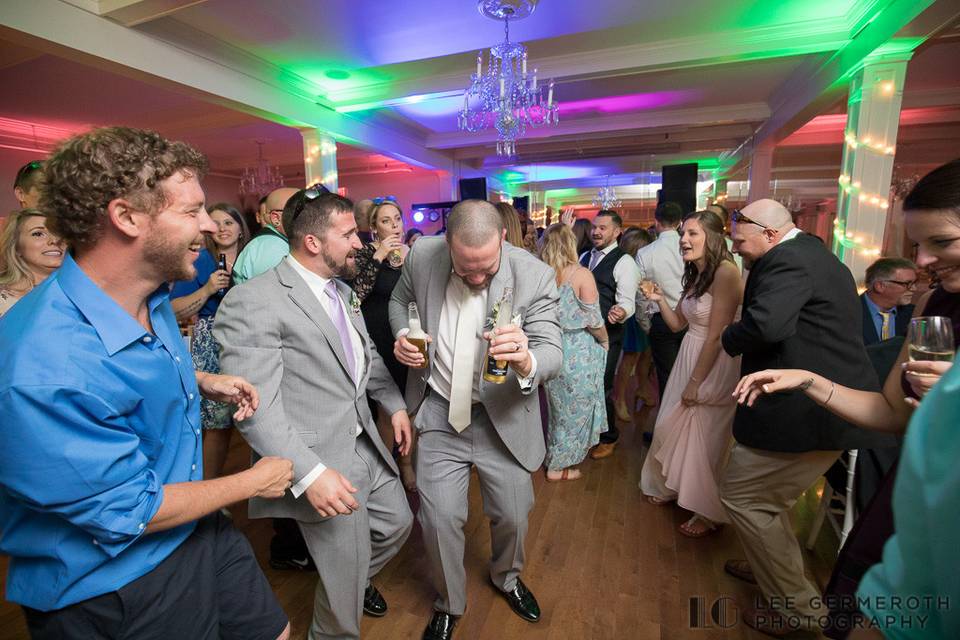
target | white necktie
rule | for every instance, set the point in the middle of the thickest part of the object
(465, 345)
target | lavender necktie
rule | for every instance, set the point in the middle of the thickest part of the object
(343, 328)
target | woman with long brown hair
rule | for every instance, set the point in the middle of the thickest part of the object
(577, 408)
(511, 222)
(693, 430)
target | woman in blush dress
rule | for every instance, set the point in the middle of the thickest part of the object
(692, 434)
(578, 412)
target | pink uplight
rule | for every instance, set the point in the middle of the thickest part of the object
(627, 103)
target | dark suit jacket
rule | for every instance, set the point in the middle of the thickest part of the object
(870, 336)
(800, 311)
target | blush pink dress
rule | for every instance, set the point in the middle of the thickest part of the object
(690, 444)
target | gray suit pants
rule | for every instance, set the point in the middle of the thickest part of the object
(444, 459)
(349, 550)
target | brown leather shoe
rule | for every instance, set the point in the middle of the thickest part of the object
(603, 450)
(740, 569)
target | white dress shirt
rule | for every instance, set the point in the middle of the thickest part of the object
(660, 262)
(626, 275)
(441, 374)
(790, 235)
(317, 285)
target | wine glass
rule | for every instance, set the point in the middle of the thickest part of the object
(931, 338)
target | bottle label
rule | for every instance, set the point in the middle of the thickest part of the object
(496, 368)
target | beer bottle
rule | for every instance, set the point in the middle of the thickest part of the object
(495, 370)
(417, 336)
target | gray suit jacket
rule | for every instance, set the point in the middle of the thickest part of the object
(514, 413)
(274, 332)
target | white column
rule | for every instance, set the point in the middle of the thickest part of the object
(873, 116)
(761, 164)
(319, 159)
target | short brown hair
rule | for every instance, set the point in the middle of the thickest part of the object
(90, 170)
(303, 215)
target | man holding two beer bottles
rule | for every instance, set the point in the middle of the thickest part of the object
(480, 304)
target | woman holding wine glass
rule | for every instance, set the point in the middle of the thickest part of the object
(378, 271)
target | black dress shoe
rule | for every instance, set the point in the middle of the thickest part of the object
(440, 627)
(373, 603)
(522, 601)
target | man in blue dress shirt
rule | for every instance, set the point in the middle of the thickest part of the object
(109, 526)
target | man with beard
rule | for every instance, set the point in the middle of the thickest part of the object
(297, 333)
(617, 277)
(463, 421)
(109, 526)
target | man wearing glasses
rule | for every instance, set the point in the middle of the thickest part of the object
(800, 311)
(886, 302)
(270, 245)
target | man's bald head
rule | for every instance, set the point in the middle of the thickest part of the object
(475, 236)
(474, 223)
(275, 203)
(361, 214)
(769, 213)
(758, 227)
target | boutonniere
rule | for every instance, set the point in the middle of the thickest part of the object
(494, 316)
(354, 302)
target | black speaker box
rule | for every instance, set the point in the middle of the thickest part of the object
(679, 183)
(473, 189)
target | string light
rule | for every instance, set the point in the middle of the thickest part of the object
(868, 143)
(853, 190)
(850, 241)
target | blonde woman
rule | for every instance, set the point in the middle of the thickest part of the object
(578, 414)
(29, 252)
(378, 271)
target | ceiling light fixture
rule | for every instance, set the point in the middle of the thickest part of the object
(506, 97)
(607, 198)
(261, 179)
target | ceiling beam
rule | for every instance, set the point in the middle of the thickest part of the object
(63, 29)
(815, 85)
(130, 13)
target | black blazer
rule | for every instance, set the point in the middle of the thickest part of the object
(902, 321)
(800, 311)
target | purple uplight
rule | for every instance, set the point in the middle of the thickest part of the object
(418, 216)
(623, 104)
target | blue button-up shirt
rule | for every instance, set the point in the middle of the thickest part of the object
(96, 415)
(878, 319)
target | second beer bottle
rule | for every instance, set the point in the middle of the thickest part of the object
(495, 371)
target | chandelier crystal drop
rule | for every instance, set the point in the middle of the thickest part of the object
(506, 96)
(262, 178)
(606, 197)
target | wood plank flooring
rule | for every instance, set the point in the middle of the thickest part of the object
(602, 562)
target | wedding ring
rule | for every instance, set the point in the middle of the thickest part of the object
(517, 345)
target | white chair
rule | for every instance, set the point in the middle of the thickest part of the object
(845, 510)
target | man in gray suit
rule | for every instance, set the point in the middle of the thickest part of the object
(464, 421)
(297, 334)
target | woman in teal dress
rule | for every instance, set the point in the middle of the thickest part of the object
(577, 412)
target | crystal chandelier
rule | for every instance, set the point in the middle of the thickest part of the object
(607, 198)
(261, 179)
(506, 97)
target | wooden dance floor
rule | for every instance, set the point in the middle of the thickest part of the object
(602, 562)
